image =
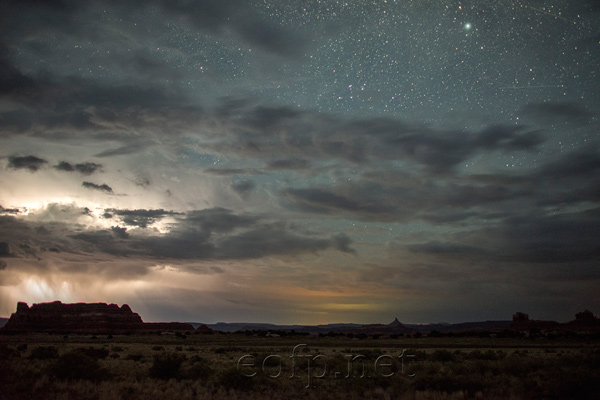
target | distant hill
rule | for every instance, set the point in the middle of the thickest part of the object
(105, 318)
(252, 326)
(83, 318)
(396, 327)
(463, 326)
(584, 321)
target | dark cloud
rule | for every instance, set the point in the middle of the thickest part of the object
(15, 122)
(293, 139)
(66, 106)
(32, 163)
(142, 182)
(62, 212)
(230, 171)
(563, 111)
(342, 242)
(9, 210)
(243, 188)
(290, 139)
(444, 248)
(5, 249)
(563, 239)
(123, 150)
(119, 233)
(289, 163)
(217, 270)
(11, 79)
(86, 168)
(394, 196)
(363, 199)
(102, 188)
(178, 244)
(217, 234)
(199, 235)
(272, 240)
(509, 138)
(140, 218)
(107, 241)
(582, 164)
(322, 200)
(229, 19)
(218, 220)
(67, 109)
(441, 151)
(237, 16)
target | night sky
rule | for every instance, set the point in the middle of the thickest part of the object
(302, 161)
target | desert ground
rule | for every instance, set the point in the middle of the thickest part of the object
(253, 365)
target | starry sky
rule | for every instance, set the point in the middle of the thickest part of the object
(302, 161)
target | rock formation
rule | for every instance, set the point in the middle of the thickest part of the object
(204, 329)
(82, 318)
(584, 322)
(520, 317)
(586, 315)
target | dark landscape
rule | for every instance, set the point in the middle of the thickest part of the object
(103, 351)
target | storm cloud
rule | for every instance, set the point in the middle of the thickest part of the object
(86, 168)
(31, 163)
(93, 186)
(388, 155)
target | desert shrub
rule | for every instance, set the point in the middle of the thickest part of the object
(117, 349)
(199, 369)
(445, 381)
(223, 350)
(441, 355)
(167, 365)
(77, 365)
(519, 365)
(158, 348)
(6, 352)
(582, 384)
(370, 354)
(231, 378)
(43, 353)
(94, 352)
(134, 357)
(420, 355)
(487, 355)
(22, 347)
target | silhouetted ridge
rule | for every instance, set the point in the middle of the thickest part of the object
(585, 321)
(82, 318)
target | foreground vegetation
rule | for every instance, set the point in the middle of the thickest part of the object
(234, 366)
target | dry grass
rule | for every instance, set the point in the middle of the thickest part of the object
(206, 367)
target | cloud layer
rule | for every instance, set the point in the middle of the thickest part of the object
(300, 162)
